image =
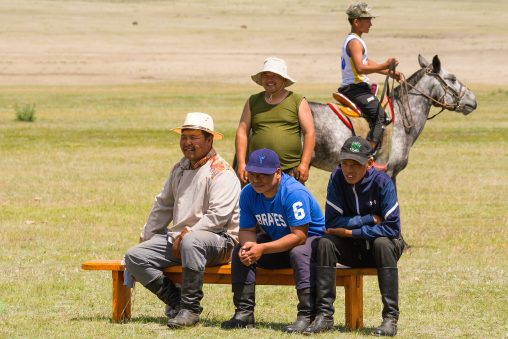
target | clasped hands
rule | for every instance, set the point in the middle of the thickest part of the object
(340, 232)
(346, 233)
(250, 252)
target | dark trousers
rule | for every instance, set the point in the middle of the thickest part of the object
(381, 252)
(298, 258)
(371, 109)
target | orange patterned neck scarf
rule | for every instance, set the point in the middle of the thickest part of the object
(204, 160)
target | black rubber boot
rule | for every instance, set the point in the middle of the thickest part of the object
(172, 310)
(191, 295)
(388, 279)
(325, 297)
(388, 328)
(166, 291)
(244, 299)
(306, 311)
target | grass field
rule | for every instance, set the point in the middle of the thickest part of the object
(78, 183)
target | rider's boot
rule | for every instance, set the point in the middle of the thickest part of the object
(380, 167)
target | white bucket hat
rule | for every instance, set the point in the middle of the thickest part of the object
(201, 121)
(277, 66)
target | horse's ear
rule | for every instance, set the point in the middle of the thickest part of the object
(422, 61)
(436, 64)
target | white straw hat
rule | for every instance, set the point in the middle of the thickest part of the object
(201, 121)
(277, 66)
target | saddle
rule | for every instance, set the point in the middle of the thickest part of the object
(347, 107)
(349, 113)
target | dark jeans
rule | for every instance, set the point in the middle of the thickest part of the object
(381, 252)
(371, 109)
(298, 258)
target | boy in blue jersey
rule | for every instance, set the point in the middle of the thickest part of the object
(290, 219)
(362, 230)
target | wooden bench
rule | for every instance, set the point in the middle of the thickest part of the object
(350, 278)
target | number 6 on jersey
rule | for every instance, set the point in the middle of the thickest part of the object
(298, 210)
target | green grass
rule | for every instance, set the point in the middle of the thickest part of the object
(25, 113)
(78, 183)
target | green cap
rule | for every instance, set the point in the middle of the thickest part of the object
(359, 10)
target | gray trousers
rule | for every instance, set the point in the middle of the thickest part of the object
(198, 249)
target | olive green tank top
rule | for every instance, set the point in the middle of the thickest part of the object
(277, 127)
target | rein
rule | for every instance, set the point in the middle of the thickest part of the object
(386, 89)
(386, 86)
(407, 115)
(441, 102)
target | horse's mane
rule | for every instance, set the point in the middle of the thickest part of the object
(412, 80)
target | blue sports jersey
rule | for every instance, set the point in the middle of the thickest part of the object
(293, 205)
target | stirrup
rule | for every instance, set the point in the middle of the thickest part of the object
(379, 167)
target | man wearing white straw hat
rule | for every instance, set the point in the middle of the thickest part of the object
(200, 199)
(279, 119)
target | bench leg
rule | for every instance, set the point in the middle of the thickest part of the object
(353, 286)
(121, 298)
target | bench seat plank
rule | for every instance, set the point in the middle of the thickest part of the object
(350, 278)
(115, 265)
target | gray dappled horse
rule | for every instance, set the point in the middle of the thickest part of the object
(431, 85)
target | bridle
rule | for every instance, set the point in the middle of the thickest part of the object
(407, 117)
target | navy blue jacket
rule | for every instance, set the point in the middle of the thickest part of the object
(353, 206)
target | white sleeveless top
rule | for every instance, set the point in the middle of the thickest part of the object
(349, 73)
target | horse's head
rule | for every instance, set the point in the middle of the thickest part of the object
(447, 91)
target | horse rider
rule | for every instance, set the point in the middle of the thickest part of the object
(355, 65)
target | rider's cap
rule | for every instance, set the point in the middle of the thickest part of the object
(264, 161)
(359, 10)
(357, 149)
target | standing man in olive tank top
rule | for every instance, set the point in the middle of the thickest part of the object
(278, 119)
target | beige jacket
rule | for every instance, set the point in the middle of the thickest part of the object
(205, 198)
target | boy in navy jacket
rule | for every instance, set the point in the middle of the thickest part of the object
(362, 230)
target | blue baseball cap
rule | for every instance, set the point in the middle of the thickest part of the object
(264, 161)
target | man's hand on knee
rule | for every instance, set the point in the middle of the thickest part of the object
(175, 247)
